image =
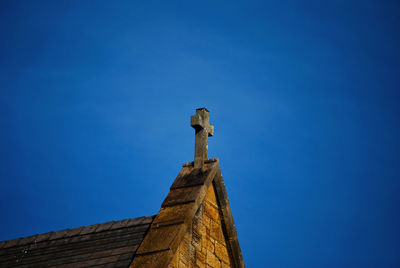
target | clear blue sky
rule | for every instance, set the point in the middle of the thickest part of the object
(95, 106)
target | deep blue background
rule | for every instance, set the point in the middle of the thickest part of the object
(95, 106)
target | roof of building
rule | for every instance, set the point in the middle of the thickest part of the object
(110, 244)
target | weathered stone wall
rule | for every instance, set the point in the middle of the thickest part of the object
(205, 245)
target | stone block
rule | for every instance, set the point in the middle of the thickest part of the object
(210, 244)
(212, 260)
(221, 252)
(211, 197)
(200, 257)
(211, 211)
(216, 232)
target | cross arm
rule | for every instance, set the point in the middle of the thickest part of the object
(201, 121)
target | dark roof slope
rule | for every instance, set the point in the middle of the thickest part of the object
(110, 244)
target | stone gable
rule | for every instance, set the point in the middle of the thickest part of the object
(205, 244)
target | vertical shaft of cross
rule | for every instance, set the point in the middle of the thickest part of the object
(200, 122)
(201, 148)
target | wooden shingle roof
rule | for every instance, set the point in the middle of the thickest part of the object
(110, 244)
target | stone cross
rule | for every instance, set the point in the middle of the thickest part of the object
(200, 122)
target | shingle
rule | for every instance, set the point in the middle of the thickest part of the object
(134, 222)
(105, 226)
(124, 223)
(27, 240)
(89, 229)
(43, 237)
(75, 231)
(59, 234)
(118, 224)
(11, 243)
(139, 221)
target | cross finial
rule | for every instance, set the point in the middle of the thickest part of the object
(200, 122)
